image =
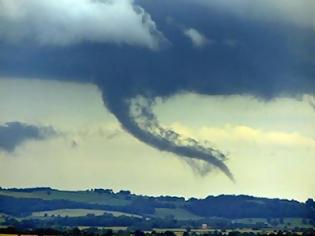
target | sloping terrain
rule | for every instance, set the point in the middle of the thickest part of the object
(47, 203)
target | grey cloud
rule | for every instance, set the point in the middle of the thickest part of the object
(73, 143)
(75, 138)
(230, 42)
(67, 22)
(197, 38)
(312, 101)
(298, 12)
(252, 57)
(199, 167)
(13, 134)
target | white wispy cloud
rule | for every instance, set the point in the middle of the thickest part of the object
(245, 136)
(197, 38)
(66, 22)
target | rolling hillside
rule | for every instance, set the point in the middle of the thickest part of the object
(103, 207)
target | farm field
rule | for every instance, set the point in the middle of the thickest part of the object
(177, 213)
(77, 196)
(79, 212)
(276, 222)
(67, 212)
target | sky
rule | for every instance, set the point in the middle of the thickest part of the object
(186, 98)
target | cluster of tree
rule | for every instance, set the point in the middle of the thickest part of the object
(171, 199)
(108, 220)
(102, 191)
(109, 232)
(229, 206)
(28, 190)
(25, 206)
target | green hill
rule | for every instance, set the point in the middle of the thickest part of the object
(103, 207)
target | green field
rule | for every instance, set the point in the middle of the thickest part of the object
(79, 212)
(119, 213)
(177, 213)
(67, 212)
(277, 223)
(78, 196)
(1, 219)
(250, 220)
(296, 222)
(114, 228)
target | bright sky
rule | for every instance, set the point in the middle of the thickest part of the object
(270, 145)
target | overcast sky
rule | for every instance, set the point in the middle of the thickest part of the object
(186, 98)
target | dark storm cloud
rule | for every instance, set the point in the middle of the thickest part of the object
(250, 56)
(13, 134)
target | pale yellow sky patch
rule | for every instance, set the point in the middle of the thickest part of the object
(270, 145)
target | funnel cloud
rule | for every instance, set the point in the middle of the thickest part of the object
(137, 118)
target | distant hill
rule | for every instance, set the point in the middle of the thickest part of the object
(25, 201)
(102, 211)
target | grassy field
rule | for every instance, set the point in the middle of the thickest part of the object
(1, 219)
(9, 235)
(79, 212)
(78, 196)
(177, 213)
(250, 220)
(118, 213)
(284, 223)
(114, 228)
(68, 212)
(296, 222)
